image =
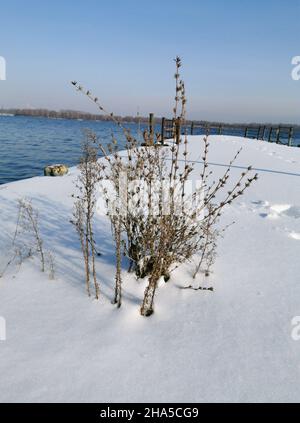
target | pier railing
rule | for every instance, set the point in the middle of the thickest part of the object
(278, 134)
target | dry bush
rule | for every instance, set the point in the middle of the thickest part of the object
(27, 240)
(84, 207)
(157, 216)
(28, 232)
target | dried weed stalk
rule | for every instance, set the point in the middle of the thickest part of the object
(84, 207)
(27, 241)
(28, 224)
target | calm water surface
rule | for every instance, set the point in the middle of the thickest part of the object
(28, 144)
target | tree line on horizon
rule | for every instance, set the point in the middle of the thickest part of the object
(74, 114)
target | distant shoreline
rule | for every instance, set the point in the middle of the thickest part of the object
(77, 115)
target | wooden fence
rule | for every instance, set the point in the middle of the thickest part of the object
(278, 134)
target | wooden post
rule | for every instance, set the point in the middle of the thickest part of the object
(290, 136)
(192, 128)
(278, 135)
(246, 132)
(270, 134)
(163, 130)
(151, 128)
(258, 133)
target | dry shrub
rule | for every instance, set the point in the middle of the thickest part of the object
(84, 207)
(27, 241)
(158, 218)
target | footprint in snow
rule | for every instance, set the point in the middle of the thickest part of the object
(295, 235)
(293, 211)
(274, 154)
(277, 210)
(291, 161)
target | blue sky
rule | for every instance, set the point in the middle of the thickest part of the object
(236, 55)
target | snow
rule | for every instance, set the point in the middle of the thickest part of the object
(233, 344)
